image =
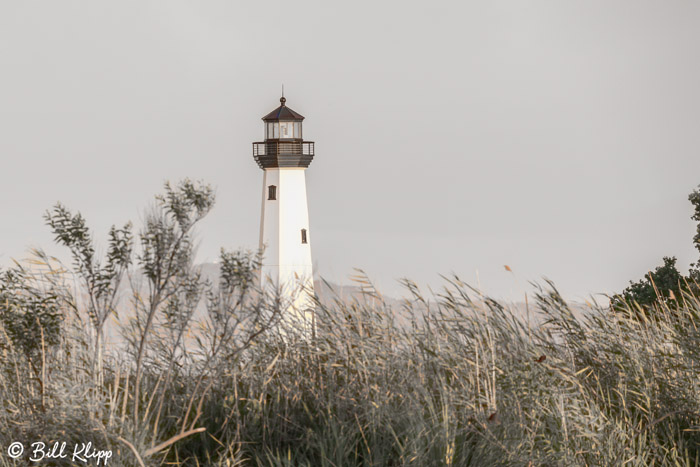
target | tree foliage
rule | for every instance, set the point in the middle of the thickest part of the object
(662, 285)
(694, 198)
(31, 312)
(665, 283)
(34, 302)
(100, 282)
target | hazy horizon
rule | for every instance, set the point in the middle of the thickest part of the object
(557, 138)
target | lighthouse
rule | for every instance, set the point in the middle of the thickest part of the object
(285, 237)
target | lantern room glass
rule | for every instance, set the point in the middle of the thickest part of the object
(283, 130)
(286, 130)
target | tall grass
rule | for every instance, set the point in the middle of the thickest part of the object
(454, 378)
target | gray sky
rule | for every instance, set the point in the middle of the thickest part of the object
(558, 137)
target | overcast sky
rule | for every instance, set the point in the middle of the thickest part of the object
(557, 137)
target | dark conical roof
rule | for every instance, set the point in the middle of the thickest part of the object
(282, 113)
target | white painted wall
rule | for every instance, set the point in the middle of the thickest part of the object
(287, 261)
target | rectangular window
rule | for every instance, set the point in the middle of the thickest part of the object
(303, 236)
(272, 192)
(297, 130)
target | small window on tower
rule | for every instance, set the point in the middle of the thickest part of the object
(303, 236)
(272, 192)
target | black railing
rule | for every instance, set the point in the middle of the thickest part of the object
(269, 154)
(283, 148)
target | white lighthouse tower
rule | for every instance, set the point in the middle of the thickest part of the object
(284, 221)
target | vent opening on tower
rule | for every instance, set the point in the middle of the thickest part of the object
(272, 192)
(303, 236)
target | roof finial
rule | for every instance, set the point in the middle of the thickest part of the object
(282, 99)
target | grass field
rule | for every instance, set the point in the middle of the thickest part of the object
(451, 379)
